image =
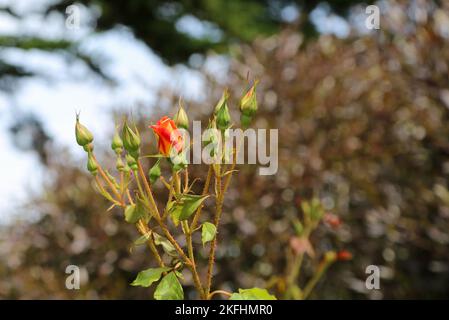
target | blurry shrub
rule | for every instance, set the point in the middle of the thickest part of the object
(362, 125)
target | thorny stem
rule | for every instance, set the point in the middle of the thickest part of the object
(170, 196)
(317, 276)
(295, 268)
(205, 190)
(122, 185)
(177, 182)
(166, 184)
(190, 264)
(102, 189)
(294, 274)
(188, 235)
(158, 217)
(147, 186)
(186, 179)
(108, 181)
(196, 277)
(213, 245)
(219, 208)
(129, 196)
(144, 230)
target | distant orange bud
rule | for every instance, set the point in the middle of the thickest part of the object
(344, 255)
(332, 220)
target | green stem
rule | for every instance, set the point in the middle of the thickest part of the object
(312, 282)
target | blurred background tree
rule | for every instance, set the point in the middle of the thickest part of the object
(362, 124)
(159, 25)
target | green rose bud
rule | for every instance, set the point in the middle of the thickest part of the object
(131, 140)
(131, 161)
(212, 136)
(181, 119)
(83, 135)
(117, 143)
(248, 104)
(222, 115)
(92, 164)
(223, 100)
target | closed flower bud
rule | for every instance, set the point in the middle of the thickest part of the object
(222, 115)
(344, 255)
(168, 136)
(83, 135)
(181, 119)
(248, 104)
(131, 161)
(223, 100)
(117, 143)
(131, 139)
(92, 165)
(332, 220)
(212, 136)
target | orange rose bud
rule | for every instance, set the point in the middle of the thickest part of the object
(168, 136)
(332, 220)
(344, 255)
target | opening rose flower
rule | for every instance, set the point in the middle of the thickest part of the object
(168, 136)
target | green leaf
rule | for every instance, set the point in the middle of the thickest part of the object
(185, 206)
(140, 241)
(165, 244)
(252, 294)
(130, 214)
(169, 288)
(208, 232)
(135, 212)
(146, 277)
(175, 211)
